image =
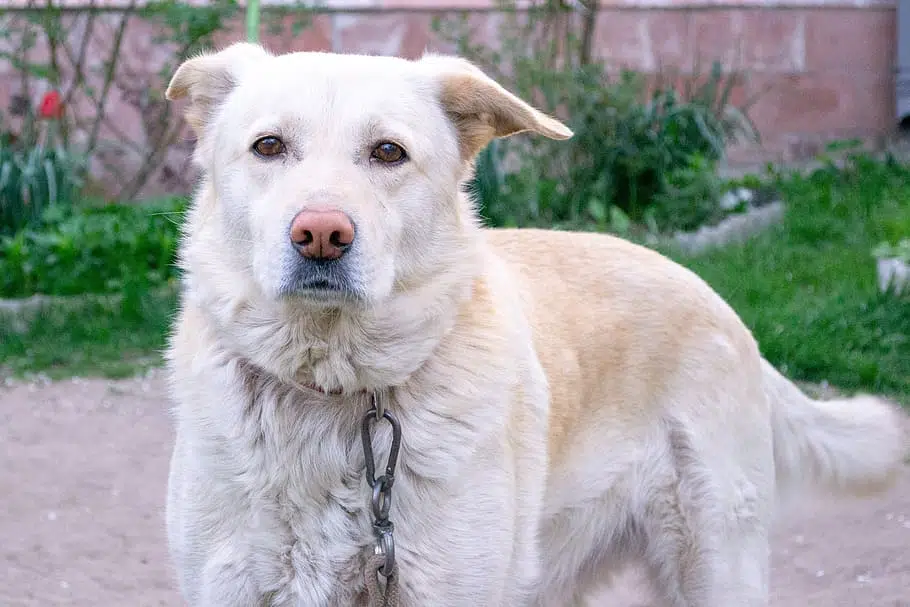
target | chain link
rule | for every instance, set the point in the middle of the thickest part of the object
(381, 500)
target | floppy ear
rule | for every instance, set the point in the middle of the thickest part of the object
(481, 109)
(208, 78)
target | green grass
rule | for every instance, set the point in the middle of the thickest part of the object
(88, 338)
(807, 289)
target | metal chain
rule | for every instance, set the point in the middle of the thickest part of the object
(381, 501)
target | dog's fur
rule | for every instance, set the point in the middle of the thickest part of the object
(569, 402)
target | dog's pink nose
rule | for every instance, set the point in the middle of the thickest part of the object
(322, 234)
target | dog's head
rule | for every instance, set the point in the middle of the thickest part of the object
(336, 178)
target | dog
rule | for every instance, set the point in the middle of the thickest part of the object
(564, 403)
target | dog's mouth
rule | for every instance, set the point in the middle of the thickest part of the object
(320, 283)
(319, 289)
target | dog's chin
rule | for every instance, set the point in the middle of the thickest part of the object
(321, 294)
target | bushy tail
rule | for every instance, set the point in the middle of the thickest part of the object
(850, 446)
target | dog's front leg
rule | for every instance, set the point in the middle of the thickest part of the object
(228, 585)
(216, 572)
(478, 547)
(209, 559)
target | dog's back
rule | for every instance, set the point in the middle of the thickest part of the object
(615, 322)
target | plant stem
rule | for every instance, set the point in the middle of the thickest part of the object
(589, 24)
(252, 20)
(109, 74)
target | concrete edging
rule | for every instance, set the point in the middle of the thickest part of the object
(20, 310)
(893, 275)
(735, 228)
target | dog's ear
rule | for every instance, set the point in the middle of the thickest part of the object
(481, 109)
(208, 78)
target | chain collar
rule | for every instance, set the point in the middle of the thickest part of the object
(382, 562)
(381, 500)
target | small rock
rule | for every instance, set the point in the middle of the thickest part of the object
(728, 201)
(733, 199)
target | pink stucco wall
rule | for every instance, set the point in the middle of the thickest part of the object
(825, 67)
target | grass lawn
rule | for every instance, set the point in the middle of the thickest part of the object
(806, 289)
(91, 337)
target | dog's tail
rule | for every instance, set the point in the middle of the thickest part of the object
(849, 446)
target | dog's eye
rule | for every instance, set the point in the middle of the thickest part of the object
(268, 146)
(389, 153)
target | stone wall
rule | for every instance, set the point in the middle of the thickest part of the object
(825, 68)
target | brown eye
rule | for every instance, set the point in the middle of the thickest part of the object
(389, 153)
(268, 146)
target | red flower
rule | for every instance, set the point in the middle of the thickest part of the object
(51, 106)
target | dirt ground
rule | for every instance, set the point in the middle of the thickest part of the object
(83, 480)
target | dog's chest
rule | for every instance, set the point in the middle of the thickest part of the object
(309, 521)
(321, 548)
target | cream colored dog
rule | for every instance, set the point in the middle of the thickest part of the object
(568, 402)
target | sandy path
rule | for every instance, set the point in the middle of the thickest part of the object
(83, 475)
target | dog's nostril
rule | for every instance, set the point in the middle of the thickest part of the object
(307, 238)
(336, 241)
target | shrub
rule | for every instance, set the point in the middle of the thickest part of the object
(93, 250)
(637, 138)
(630, 144)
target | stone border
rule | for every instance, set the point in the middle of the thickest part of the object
(21, 310)
(36, 302)
(893, 275)
(734, 229)
(472, 5)
(738, 227)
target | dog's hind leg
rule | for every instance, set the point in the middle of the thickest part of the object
(686, 573)
(706, 529)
